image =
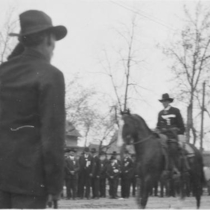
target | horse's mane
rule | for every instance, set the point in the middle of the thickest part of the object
(140, 118)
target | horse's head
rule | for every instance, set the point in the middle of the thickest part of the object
(130, 127)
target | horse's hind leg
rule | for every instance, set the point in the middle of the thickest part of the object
(197, 191)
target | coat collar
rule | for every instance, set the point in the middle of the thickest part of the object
(34, 54)
(167, 108)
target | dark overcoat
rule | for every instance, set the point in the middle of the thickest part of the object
(32, 125)
(111, 173)
(96, 167)
(103, 168)
(71, 168)
(127, 168)
(86, 165)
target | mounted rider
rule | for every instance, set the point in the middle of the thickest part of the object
(170, 123)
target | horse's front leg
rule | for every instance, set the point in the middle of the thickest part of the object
(145, 188)
(180, 191)
(140, 189)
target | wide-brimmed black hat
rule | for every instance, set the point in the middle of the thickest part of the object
(126, 152)
(86, 149)
(102, 153)
(72, 150)
(93, 150)
(114, 153)
(112, 158)
(33, 21)
(166, 97)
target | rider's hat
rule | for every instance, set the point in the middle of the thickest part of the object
(93, 150)
(166, 97)
(86, 149)
(102, 153)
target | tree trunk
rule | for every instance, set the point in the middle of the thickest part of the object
(194, 134)
(188, 126)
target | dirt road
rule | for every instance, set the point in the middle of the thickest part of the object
(153, 203)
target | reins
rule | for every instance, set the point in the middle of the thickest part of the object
(142, 140)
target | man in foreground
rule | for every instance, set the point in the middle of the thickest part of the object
(32, 113)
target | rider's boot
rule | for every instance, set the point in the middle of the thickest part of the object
(166, 171)
(186, 163)
(176, 172)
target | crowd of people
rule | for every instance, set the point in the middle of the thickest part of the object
(91, 175)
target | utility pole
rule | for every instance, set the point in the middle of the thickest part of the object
(202, 116)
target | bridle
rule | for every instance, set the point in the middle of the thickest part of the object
(141, 140)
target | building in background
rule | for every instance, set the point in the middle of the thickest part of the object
(72, 137)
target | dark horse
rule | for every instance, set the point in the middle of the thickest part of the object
(150, 160)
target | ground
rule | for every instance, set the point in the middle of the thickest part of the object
(153, 203)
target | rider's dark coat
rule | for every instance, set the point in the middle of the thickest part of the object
(168, 118)
(32, 125)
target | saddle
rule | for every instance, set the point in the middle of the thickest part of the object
(185, 151)
(188, 150)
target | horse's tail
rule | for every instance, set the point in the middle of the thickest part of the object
(201, 164)
(203, 180)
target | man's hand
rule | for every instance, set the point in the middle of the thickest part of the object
(175, 129)
(163, 129)
(156, 130)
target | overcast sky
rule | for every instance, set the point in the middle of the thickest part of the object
(90, 27)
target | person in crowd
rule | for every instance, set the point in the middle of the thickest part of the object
(32, 113)
(85, 174)
(71, 174)
(113, 171)
(66, 154)
(96, 174)
(118, 162)
(103, 168)
(126, 175)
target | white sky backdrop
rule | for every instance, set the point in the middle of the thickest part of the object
(90, 27)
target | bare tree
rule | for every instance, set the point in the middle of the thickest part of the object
(77, 100)
(105, 127)
(191, 59)
(84, 111)
(7, 43)
(125, 63)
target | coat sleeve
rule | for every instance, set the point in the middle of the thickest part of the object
(158, 121)
(180, 122)
(52, 117)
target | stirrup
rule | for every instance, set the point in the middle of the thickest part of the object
(176, 172)
(166, 173)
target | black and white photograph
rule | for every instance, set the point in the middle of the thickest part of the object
(104, 104)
